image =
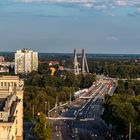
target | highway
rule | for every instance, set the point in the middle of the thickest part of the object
(82, 113)
(86, 129)
(82, 119)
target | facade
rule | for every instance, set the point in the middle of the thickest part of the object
(4, 70)
(11, 108)
(26, 61)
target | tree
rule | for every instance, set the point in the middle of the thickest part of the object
(119, 112)
(42, 129)
(87, 80)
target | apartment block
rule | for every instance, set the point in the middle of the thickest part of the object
(11, 108)
(26, 61)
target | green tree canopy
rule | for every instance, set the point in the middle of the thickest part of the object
(42, 129)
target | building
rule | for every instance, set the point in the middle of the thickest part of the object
(2, 59)
(61, 68)
(26, 61)
(7, 64)
(53, 63)
(4, 69)
(11, 108)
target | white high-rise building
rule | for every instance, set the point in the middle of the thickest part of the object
(26, 61)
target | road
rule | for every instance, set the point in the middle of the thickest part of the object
(82, 113)
(82, 129)
(27, 131)
(84, 117)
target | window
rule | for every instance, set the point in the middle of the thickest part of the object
(1, 84)
(15, 84)
(12, 84)
(5, 84)
(0, 115)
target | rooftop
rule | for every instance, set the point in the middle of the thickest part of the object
(7, 108)
(9, 78)
(24, 51)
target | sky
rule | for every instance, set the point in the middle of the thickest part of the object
(99, 26)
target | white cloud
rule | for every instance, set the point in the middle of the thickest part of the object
(100, 7)
(116, 2)
(58, 1)
(126, 2)
(98, 4)
(138, 10)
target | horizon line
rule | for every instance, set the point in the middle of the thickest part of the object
(101, 53)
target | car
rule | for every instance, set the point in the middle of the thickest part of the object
(73, 136)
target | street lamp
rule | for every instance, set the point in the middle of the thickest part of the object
(33, 111)
(48, 109)
(45, 107)
(70, 97)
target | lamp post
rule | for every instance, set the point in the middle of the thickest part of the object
(130, 131)
(45, 107)
(33, 111)
(48, 109)
(70, 97)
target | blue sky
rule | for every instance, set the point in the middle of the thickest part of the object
(99, 26)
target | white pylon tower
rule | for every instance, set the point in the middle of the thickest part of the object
(85, 68)
(76, 64)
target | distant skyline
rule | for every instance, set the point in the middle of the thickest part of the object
(58, 26)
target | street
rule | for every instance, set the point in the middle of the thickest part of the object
(82, 121)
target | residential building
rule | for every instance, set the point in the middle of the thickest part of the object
(61, 68)
(26, 61)
(4, 69)
(11, 108)
(52, 63)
